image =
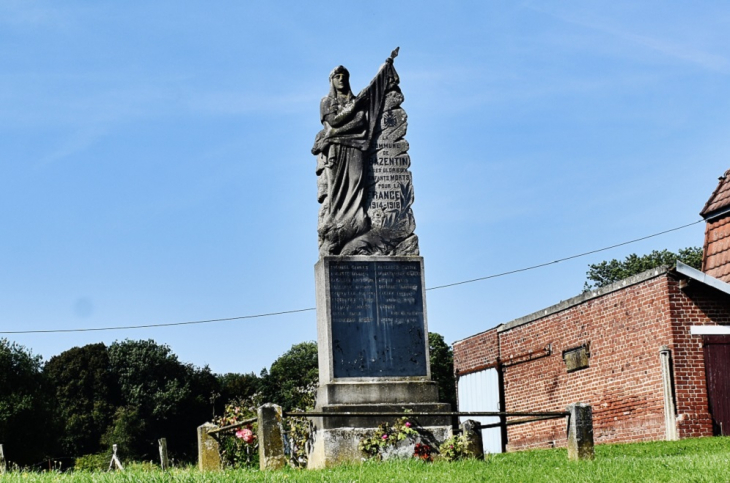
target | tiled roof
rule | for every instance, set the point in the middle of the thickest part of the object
(720, 197)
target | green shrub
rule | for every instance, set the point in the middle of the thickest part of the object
(455, 448)
(386, 435)
(93, 462)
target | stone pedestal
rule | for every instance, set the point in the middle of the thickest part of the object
(335, 446)
(372, 335)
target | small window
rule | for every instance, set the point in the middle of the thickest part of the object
(577, 357)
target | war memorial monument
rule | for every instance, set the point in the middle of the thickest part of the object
(372, 331)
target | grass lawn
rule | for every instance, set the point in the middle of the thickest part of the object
(694, 460)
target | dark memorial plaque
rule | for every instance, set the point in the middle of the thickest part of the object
(377, 315)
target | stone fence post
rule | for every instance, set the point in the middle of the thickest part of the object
(271, 438)
(3, 464)
(580, 432)
(473, 437)
(209, 458)
(164, 461)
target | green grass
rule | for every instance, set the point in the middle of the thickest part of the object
(694, 460)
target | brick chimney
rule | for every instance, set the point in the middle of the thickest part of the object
(716, 251)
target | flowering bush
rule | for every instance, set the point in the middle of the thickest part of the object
(239, 449)
(246, 435)
(455, 448)
(388, 436)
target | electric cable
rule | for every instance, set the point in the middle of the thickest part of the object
(309, 309)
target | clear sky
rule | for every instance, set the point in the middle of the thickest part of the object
(155, 163)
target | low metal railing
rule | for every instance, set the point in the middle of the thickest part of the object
(580, 427)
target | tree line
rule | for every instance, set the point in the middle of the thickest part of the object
(133, 392)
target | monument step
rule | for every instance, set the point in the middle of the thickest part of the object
(373, 420)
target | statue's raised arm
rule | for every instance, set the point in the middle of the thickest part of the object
(347, 185)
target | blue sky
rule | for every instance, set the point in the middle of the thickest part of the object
(156, 168)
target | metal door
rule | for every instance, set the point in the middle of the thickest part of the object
(479, 391)
(717, 370)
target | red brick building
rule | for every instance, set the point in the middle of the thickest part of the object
(651, 353)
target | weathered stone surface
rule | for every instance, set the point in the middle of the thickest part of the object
(371, 317)
(377, 392)
(580, 432)
(363, 181)
(332, 447)
(390, 196)
(576, 358)
(271, 438)
(473, 435)
(209, 458)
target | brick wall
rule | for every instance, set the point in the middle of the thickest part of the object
(624, 330)
(476, 353)
(696, 305)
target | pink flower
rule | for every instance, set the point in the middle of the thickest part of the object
(245, 434)
(408, 424)
(385, 436)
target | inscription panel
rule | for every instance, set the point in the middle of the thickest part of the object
(377, 316)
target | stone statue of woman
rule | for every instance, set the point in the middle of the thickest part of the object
(348, 122)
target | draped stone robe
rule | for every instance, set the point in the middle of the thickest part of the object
(340, 147)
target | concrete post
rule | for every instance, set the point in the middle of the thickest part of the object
(115, 462)
(670, 411)
(164, 462)
(473, 437)
(3, 464)
(580, 432)
(209, 458)
(271, 438)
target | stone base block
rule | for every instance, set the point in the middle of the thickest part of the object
(373, 421)
(377, 392)
(336, 438)
(332, 447)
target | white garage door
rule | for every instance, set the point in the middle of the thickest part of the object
(479, 391)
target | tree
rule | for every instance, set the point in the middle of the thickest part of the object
(608, 272)
(291, 378)
(442, 368)
(160, 397)
(235, 386)
(86, 397)
(24, 408)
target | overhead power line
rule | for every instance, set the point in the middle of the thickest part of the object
(149, 326)
(564, 259)
(284, 312)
